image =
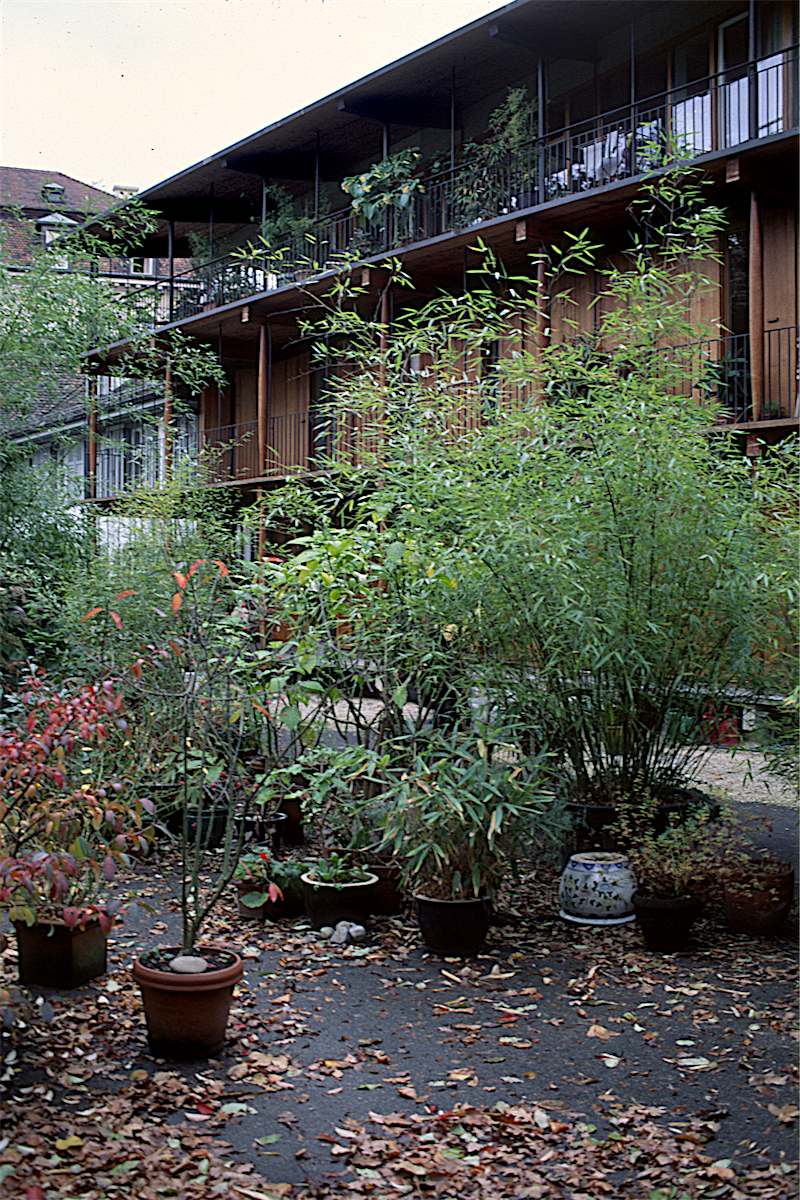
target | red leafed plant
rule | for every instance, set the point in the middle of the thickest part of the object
(65, 823)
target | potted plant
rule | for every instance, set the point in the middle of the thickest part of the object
(757, 895)
(455, 823)
(674, 870)
(187, 989)
(388, 187)
(336, 889)
(268, 889)
(483, 183)
(62, 838)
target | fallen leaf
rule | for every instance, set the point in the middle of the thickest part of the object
(785, 1114)
(599, 1031)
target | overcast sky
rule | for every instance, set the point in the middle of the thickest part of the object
(130, 91)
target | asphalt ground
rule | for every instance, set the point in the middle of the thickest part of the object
(581, 1023)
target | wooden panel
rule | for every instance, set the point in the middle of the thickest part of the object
(246, 403)
(780, 310)
(705, 306)
(288, 432)
(780, 265)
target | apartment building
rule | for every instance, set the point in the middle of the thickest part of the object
(605, 85)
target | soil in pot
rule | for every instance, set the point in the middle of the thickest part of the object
(666, 921)
(453, 928)
(757, 901)
(52, 955)
(327, 904)
(187, 1014)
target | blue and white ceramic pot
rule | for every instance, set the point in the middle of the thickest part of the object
(597, 889)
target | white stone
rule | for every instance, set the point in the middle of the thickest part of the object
(326, 931)
(358, 933)
(340, 937)
(188, 964)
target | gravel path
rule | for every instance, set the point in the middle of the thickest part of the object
(741, 775)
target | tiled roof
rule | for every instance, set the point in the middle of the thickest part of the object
(21, 187)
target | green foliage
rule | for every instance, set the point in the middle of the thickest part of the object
(456, 816)
(558, 539)
(55, 308)
(42, 544)
(389, 184)
(336, 871)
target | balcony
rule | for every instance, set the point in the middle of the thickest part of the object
(714, 114)
(724, 372)
(715, 372)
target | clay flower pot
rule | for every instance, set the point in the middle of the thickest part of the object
(187, 1014)
(757, 899)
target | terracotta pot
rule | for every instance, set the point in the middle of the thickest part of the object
(187, 1015)
(666, 921)
(453, 928)
(757, 900)
(52, 955)
(327, 904)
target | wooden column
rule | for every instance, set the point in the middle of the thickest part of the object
(756, 299)
(168, 414)
(384, 350)
(262, 389)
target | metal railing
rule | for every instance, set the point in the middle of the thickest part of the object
(724, 373)
(717, 112)
(134, 456)
(716, 373)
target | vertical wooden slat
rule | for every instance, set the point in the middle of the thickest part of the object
(756, 298)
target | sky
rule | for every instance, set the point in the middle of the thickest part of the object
(131, 92)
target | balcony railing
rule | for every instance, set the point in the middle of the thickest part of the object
(135, 457)
(716, 373)
(721, 372)
(718, 112)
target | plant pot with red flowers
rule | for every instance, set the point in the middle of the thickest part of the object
(268, 889)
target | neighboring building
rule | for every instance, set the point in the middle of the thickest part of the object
(610, 79)
(36, 207)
